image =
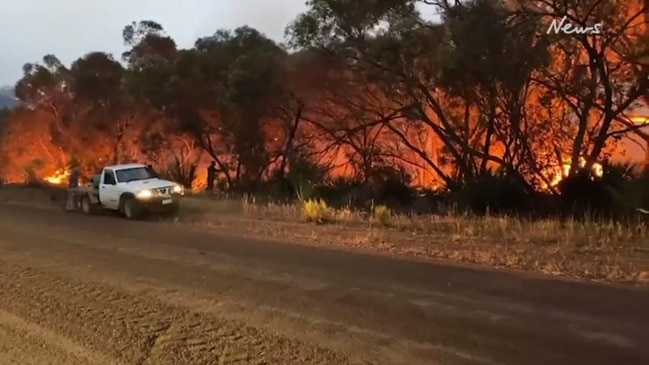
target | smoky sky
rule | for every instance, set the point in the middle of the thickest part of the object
(71, 28)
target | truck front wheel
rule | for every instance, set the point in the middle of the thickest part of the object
(131, 209)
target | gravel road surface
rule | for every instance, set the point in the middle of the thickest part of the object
(101, 290)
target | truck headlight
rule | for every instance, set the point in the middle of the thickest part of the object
(177, 189)
(145, 194)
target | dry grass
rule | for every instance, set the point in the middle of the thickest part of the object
(455, 227)
(597, 250)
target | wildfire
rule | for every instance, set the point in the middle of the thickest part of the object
(598, 171)
(640, 120)
(199, 182)
(59, 177)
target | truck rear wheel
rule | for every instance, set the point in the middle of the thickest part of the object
(131, 209)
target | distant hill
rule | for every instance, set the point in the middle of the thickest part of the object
(7, 97)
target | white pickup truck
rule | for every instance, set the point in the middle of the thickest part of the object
(130, 189)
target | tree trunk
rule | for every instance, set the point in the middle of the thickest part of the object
(646, 156)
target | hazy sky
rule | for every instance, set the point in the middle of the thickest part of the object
(71, 28)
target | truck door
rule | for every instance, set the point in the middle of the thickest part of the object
(108, 191)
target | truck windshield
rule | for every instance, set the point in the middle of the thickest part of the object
(136, 173)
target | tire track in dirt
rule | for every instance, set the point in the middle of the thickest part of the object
(141, 330)
(375, 347)
(71, 255)
(25, 343)
(365, 313)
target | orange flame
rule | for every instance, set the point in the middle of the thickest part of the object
(59, 177)
(558, 176)
(640, 119)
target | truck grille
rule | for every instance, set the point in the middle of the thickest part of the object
(164, 191)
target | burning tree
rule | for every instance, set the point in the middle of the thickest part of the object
(369, 84)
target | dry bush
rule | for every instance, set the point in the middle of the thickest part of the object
(382, 214)
(316, 211)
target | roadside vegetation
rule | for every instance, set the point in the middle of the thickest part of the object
(471, 136)
(596, 247)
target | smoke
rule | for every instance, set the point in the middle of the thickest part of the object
(269, 17)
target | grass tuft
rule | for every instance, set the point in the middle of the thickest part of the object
(316, 211)
(382, 214)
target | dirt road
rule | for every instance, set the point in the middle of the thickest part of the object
(101, 290)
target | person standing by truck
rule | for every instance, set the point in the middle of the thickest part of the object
(73, 183)
(211, 176)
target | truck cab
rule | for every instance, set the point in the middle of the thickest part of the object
(133, 189)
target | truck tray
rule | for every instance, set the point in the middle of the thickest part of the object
(89, 191)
